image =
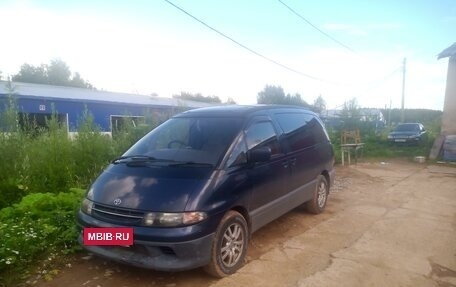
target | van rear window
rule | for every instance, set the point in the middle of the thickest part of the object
(301, 130)
(291, 122)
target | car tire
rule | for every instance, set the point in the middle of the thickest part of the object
(229, 246)
(318, 202)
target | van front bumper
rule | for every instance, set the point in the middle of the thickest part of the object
(174, 256)
(163, 249)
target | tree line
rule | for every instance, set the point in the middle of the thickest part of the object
(57, 72)
(276, 95)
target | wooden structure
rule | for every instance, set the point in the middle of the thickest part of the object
(350, 142)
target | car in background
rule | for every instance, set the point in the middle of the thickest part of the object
(408, 133)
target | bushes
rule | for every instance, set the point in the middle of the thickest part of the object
(37, 168)
(47, 160)
(91, 151)
(41, 224)
(12, 153)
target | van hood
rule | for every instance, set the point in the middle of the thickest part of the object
(155, 189)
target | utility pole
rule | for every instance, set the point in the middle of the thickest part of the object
(389, 114)
(403, 91)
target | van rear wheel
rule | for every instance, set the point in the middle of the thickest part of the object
(229, 247)
(318, 202)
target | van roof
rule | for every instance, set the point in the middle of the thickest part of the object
(237, 110)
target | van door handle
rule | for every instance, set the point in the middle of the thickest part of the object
(286, 164)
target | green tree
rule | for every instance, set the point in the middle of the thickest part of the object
(319, 105)
(230, 101)
(295, 100)
(32, 74)
(271, 95)
(351, 114)
(412, 115)
(56, 73)
(198, 98)
(79, 82)
(276, 95)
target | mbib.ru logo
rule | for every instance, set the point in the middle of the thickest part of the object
(108, 236)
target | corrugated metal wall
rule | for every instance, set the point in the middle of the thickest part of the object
(101, 112)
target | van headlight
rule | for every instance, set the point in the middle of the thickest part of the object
(166, 219)
(87, 206)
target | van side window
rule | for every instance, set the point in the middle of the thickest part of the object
(291, 122)
(318, 132)
(301, 130)
(262, 134)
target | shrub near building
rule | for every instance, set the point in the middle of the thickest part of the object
(41, 225)
(37, 203)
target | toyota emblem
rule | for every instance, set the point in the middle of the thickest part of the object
(117, 201)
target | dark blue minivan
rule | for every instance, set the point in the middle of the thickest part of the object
(196, 187)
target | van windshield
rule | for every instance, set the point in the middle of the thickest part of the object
(188, 140)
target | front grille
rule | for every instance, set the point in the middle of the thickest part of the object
(117, 215)
(145, 250)
(167, 250)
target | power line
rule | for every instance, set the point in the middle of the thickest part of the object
(316, 28)
(247, 48)
(380, 82)
(374, 85)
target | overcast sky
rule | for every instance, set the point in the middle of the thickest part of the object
(152, 47)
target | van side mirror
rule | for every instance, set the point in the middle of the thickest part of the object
(261, 154)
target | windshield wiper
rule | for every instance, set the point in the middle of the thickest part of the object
(140, 158)
(190, 163)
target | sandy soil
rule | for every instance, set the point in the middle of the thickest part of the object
(386, 224)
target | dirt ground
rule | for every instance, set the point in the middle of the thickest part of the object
(386, 224)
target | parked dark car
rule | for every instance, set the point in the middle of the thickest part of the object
(407, 133)
(195, 188)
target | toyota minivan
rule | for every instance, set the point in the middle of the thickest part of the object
(195, 188)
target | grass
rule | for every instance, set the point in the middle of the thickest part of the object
(43, 177)
(376, 145)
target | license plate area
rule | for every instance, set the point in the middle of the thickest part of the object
(116, 236)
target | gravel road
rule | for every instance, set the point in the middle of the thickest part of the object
(386, 224)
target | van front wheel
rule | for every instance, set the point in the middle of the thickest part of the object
(229, 246)
(318, 202)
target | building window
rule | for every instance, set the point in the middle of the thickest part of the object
(122, 123)
(35, 122)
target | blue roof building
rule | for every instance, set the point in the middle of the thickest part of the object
(39, 101)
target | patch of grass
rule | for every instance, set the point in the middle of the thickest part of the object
(37, 219)
(41, 225)
(378, 146)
